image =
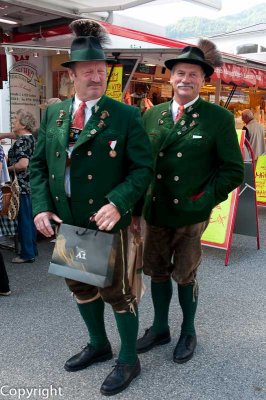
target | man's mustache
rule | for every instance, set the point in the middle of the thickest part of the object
(184, 86)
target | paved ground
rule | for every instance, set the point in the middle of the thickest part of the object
(41, 328)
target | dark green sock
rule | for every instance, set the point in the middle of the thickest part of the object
(127, 325)
(161, 293)
(188, 302)
(93, 315)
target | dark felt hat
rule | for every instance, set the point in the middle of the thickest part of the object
(191, 55)
(86, 48)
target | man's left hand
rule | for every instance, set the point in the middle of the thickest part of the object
(106, 217)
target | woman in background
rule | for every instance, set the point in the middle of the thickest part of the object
(19, 156)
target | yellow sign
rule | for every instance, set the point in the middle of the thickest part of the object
(219, 230)
(114, 88)
(217, 233)
(260, 179)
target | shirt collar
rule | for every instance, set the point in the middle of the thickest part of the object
(175, 105)
(89, 103)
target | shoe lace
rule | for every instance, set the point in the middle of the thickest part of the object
(118, 366)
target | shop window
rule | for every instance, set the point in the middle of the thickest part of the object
(247, 48)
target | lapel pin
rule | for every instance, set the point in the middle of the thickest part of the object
(104, 114)
(101, 124)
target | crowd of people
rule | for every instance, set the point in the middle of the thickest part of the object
(173, 166)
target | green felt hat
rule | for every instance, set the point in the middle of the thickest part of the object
(86, 48)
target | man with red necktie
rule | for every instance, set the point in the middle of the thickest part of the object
(198, 162)
(93, 156)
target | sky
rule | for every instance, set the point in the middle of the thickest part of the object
(168, 13)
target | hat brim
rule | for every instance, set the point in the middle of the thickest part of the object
(208, 69)
(67, 64)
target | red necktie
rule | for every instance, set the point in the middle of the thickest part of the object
(180, 113)
(79, 117)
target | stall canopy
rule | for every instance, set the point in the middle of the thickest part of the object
(240, 75)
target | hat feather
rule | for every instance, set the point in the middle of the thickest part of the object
(87, 27)
(212, 55)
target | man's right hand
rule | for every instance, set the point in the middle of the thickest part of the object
(43, 224)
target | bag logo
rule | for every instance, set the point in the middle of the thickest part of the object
(81, 254)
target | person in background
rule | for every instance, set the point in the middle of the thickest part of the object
(255, 133)
(93, 157)
(19, 156)
(197, 162)
(4, 282)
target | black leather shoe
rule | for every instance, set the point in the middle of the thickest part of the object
(120, 378)
(151, 339)
(87, 357)
(184, 349)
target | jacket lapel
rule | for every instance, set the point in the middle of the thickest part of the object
(174, 132)
(63, 122)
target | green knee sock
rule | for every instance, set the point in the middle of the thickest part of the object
(188, 302)
(161, 293)
(93, 315)
(127, 325)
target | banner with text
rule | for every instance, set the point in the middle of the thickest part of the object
(25, 89)
(114, 88)
(260, 179)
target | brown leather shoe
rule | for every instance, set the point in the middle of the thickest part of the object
(184, 349)
(119, 379)
(151, 339)
(87, 357)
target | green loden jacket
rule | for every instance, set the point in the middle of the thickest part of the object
(97, 175)
(197, 163)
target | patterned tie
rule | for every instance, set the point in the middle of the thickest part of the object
(79, 117)
(180, 113)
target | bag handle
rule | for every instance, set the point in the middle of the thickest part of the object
(81, 233)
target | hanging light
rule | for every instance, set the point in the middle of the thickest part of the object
(58, 52)
(35, 54)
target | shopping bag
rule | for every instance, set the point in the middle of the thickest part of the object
(84, 255)
(13, 207)
(135, 275)
(6, 190)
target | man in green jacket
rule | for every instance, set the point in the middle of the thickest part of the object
(197, 163)
(93, 156)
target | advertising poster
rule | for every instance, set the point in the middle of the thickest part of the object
(260, 179)
(114, 88)
(220, 229)
(25, 89)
